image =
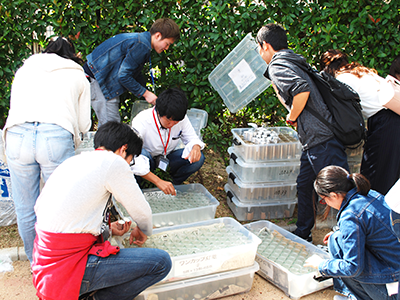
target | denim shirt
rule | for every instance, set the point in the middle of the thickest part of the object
(365, 240)
(116, 63)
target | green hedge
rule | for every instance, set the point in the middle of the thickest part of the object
(366, 30)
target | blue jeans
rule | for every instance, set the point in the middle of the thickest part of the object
(33, 149)
(349, 286)
(395, 220)
(106, 110)
(126, 274)
(313, 160)
(180, 169)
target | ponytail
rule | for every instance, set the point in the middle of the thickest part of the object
(338, 180)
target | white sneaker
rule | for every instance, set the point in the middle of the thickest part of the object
(338, 297)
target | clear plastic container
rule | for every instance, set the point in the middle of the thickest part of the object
(259, 211)
(138, 106)
(288, 146)
(261, 192)
(281, 260)
(192, 203)
(205, 287)
(286, 171)
(239, 77)
(202, 248)
(87, 143)
(198, 118)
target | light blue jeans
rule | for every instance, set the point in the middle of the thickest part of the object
(106, 110)
(33, 149)
(126, 274)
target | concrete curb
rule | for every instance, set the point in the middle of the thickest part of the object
(15, 253)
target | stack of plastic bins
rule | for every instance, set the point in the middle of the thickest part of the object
(281, 256)
(210, 259)
(264, 164)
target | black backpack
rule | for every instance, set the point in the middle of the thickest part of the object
(343, 103)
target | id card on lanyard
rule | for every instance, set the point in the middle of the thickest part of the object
(162, 161)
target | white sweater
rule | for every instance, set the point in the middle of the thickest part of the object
(75, 196)
(51, 89)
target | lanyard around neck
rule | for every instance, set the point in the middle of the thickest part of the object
(159, 133)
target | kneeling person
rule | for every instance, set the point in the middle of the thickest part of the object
(161, 128)
(70, 257)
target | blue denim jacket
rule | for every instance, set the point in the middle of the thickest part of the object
(365, 240)
(117, 63)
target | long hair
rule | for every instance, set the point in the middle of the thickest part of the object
(63, 47)
(336, 62)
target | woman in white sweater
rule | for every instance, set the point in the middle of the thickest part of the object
(49, 109)
(381, 157)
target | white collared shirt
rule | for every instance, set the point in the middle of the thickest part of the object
(144, 123)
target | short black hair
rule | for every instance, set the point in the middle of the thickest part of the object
(273, 34)
(172, 103)
(113, 135)
(63, 47)
(395, 67)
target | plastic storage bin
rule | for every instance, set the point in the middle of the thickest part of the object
(87, 143)
(291, 251)
(202, 248)
(287, 148)
(264, 172)
(261, 192)
(239, 77)
(198, 118)
(138, 106)
(192, 203)
(206, 287)
(259, 211)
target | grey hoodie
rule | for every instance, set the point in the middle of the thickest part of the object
(290, 80)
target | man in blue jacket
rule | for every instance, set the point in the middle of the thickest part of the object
(115, 67)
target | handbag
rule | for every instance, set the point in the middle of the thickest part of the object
(389, 94)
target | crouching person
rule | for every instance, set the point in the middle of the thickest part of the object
(72, 258)
(364, 250)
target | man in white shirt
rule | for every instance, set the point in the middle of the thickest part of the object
(162, 128)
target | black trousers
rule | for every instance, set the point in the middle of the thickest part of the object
(381, 157)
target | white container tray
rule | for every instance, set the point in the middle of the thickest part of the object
(192, 203)
(294, 280)
(205, 287)
(288, 147)
(259, 211)
(286, 171)
(261, 192)
(203, 248)
(239, 77)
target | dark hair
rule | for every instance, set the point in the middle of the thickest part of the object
(167, 27)
(273, 34)
(63, 47)
(113, 135)
(172, 103)
(395, 68)
(335, 61)
(338, 180)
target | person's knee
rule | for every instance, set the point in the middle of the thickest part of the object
(165, 261)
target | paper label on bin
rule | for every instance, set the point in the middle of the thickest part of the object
(242, 75)
(265, 267)
(203, 263)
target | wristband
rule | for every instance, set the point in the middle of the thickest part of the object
(290, 122)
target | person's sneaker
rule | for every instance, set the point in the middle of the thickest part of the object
(338, 297)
